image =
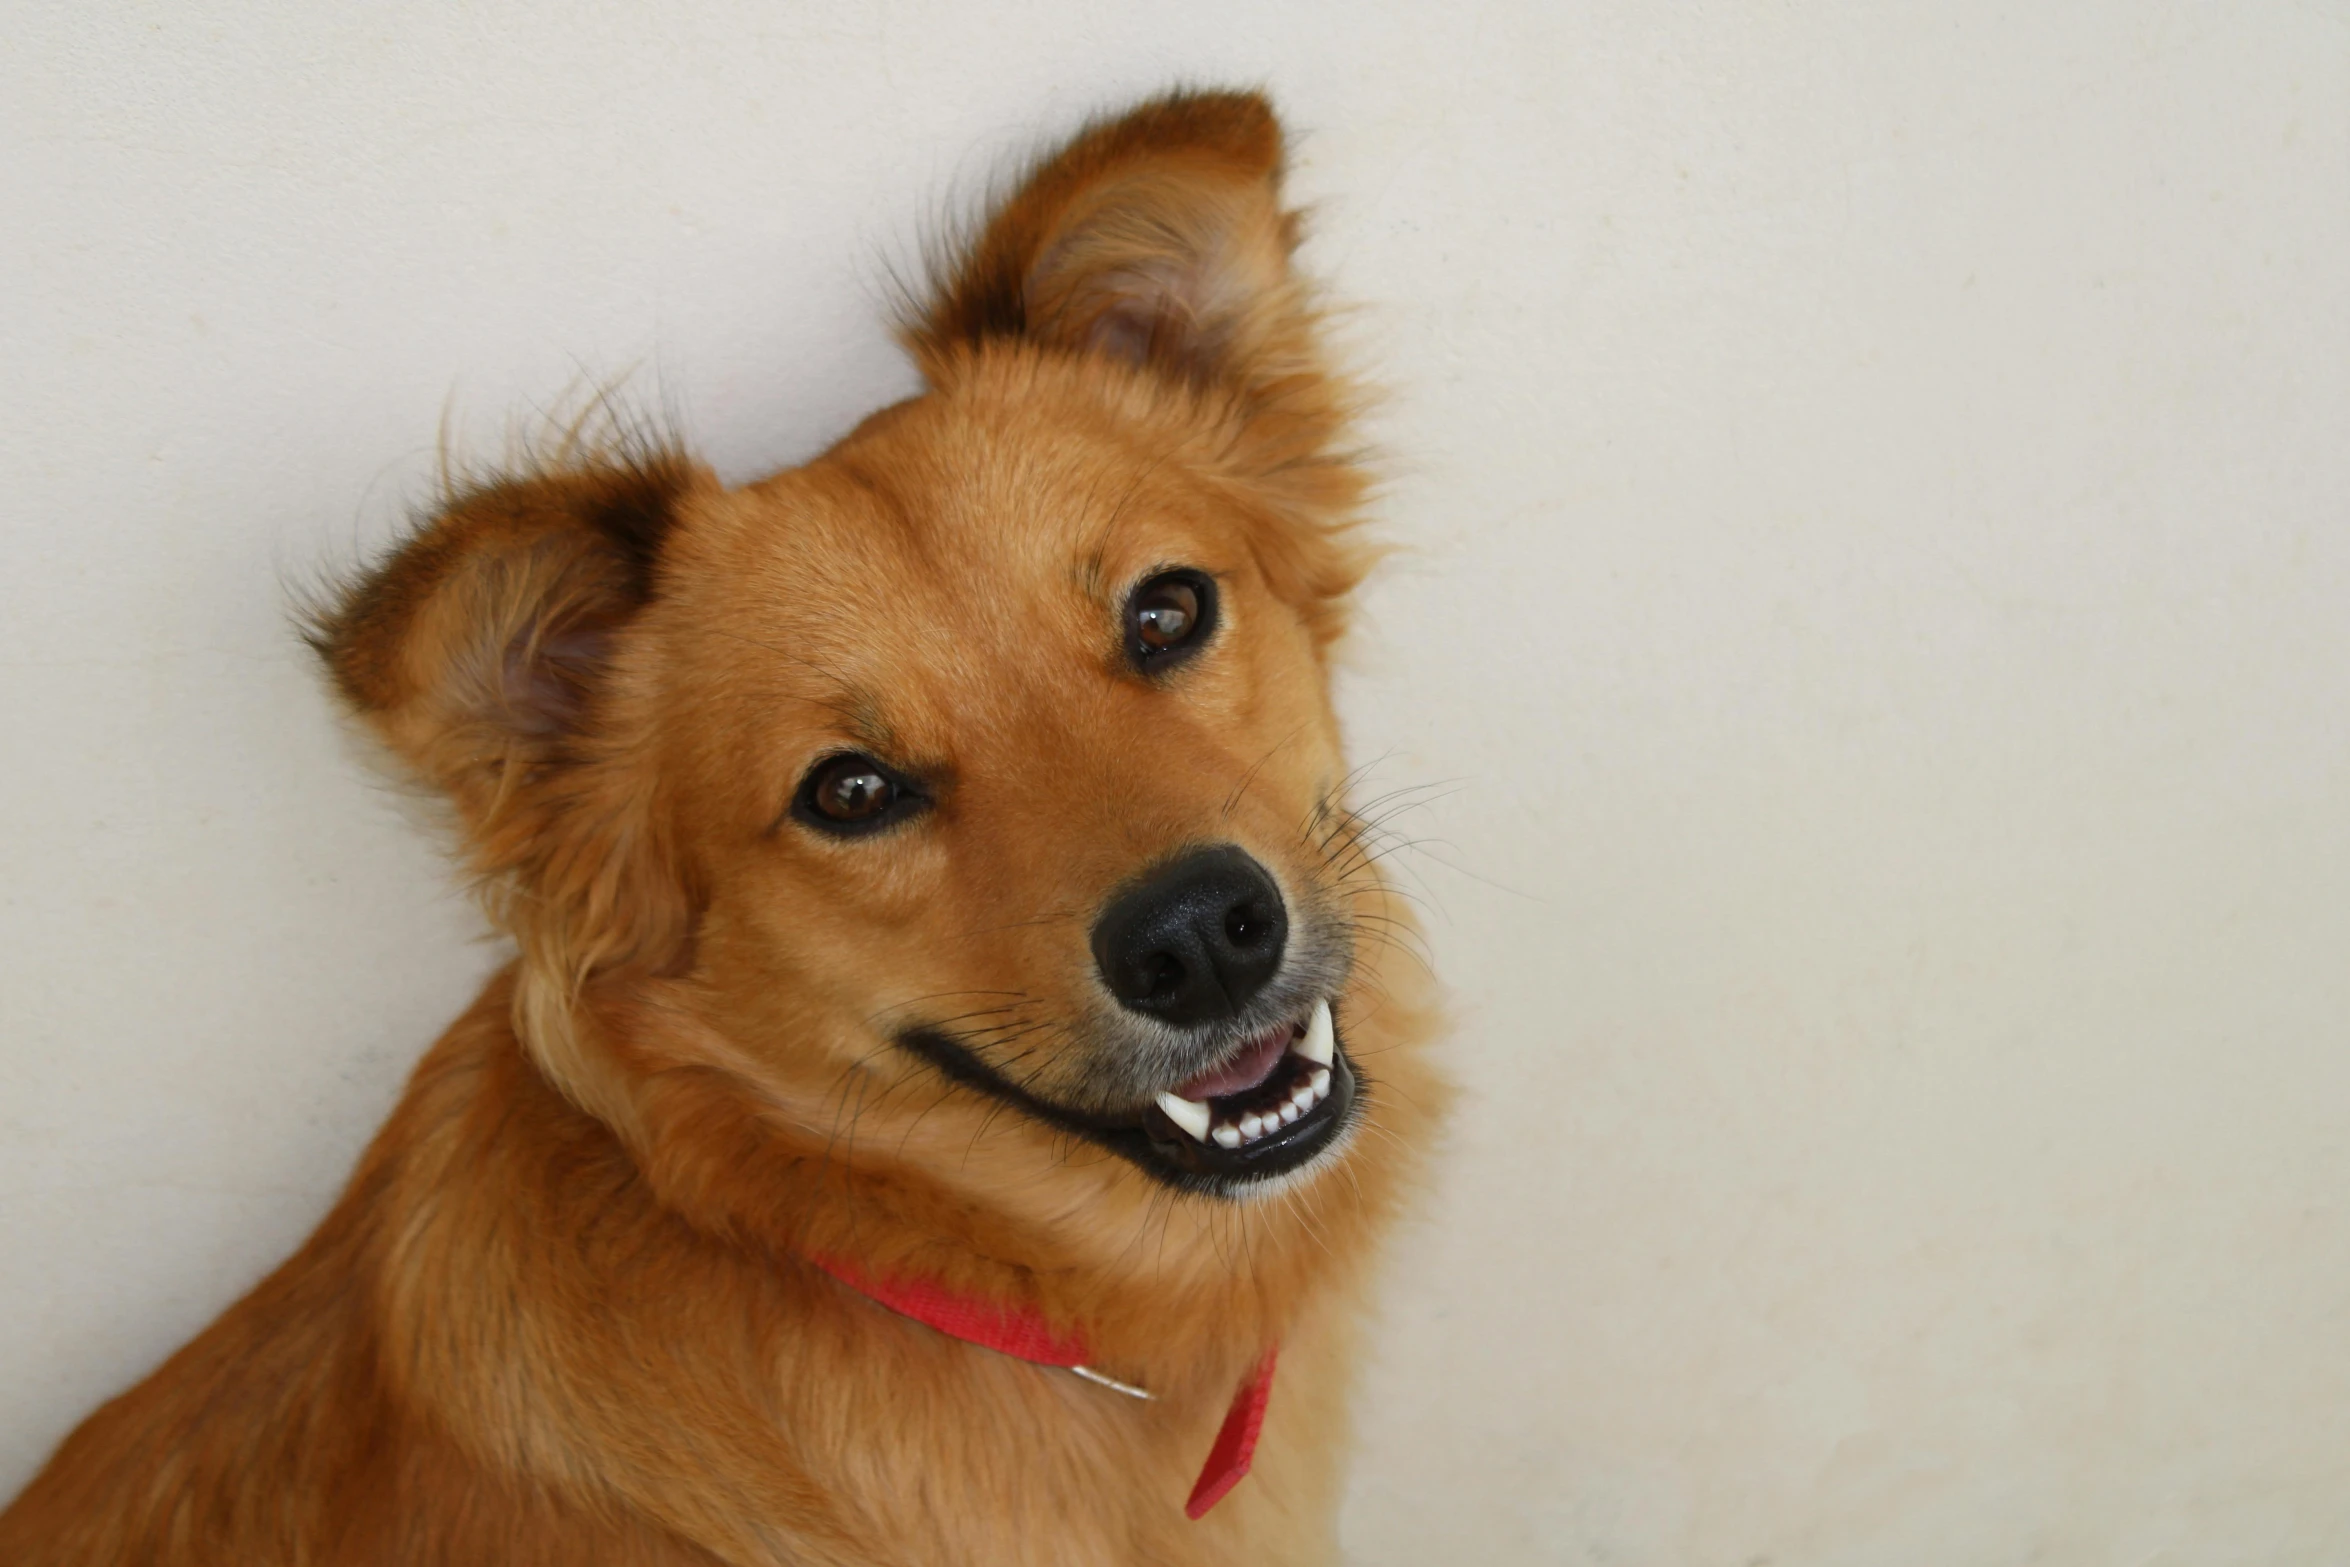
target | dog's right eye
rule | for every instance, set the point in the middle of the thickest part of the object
(852, 793)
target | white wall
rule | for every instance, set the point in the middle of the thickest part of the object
(1879, 480)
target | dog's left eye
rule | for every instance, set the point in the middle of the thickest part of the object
(852, 793)
(1168, 616)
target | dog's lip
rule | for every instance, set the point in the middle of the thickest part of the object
(1246, 1068)
(1158, 1145)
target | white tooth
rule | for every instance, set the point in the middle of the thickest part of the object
(1252, 1126)
(1318, 1046)
(1291, 1111)
(1321, 1083)
(1189, 1114)
(1228, 1136)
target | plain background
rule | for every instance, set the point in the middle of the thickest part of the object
(1876, 488)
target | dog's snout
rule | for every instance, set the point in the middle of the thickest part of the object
(1195, 940)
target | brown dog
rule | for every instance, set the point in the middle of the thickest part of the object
(934, 893)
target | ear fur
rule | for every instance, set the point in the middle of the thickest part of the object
(1158, 240)
(487, 652)
(1157, 237)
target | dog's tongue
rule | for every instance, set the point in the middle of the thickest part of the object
(1244, 1071)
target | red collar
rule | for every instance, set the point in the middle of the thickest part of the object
(1024, 1334)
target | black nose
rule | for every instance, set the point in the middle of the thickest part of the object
(1195, 940)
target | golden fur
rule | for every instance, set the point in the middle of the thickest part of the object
(562, 1314)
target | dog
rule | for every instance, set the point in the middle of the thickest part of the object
(961, 1052)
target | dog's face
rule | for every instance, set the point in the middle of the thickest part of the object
(1040, 781)
(993, 749)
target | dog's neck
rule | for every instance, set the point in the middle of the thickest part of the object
(504, 1223)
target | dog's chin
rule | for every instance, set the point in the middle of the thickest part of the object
(1278, 1104)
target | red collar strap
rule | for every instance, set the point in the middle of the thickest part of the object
(1025, 1335)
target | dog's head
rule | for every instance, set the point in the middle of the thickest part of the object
(987, 758)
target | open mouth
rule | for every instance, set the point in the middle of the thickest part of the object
(1267, 1108)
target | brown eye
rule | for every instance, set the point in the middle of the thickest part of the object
(852, 793)
(1168, 616)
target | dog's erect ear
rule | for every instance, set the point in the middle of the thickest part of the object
(488, 652)
(1157, 237)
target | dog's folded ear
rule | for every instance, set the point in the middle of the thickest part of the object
(489, 653)
(1158, 238)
